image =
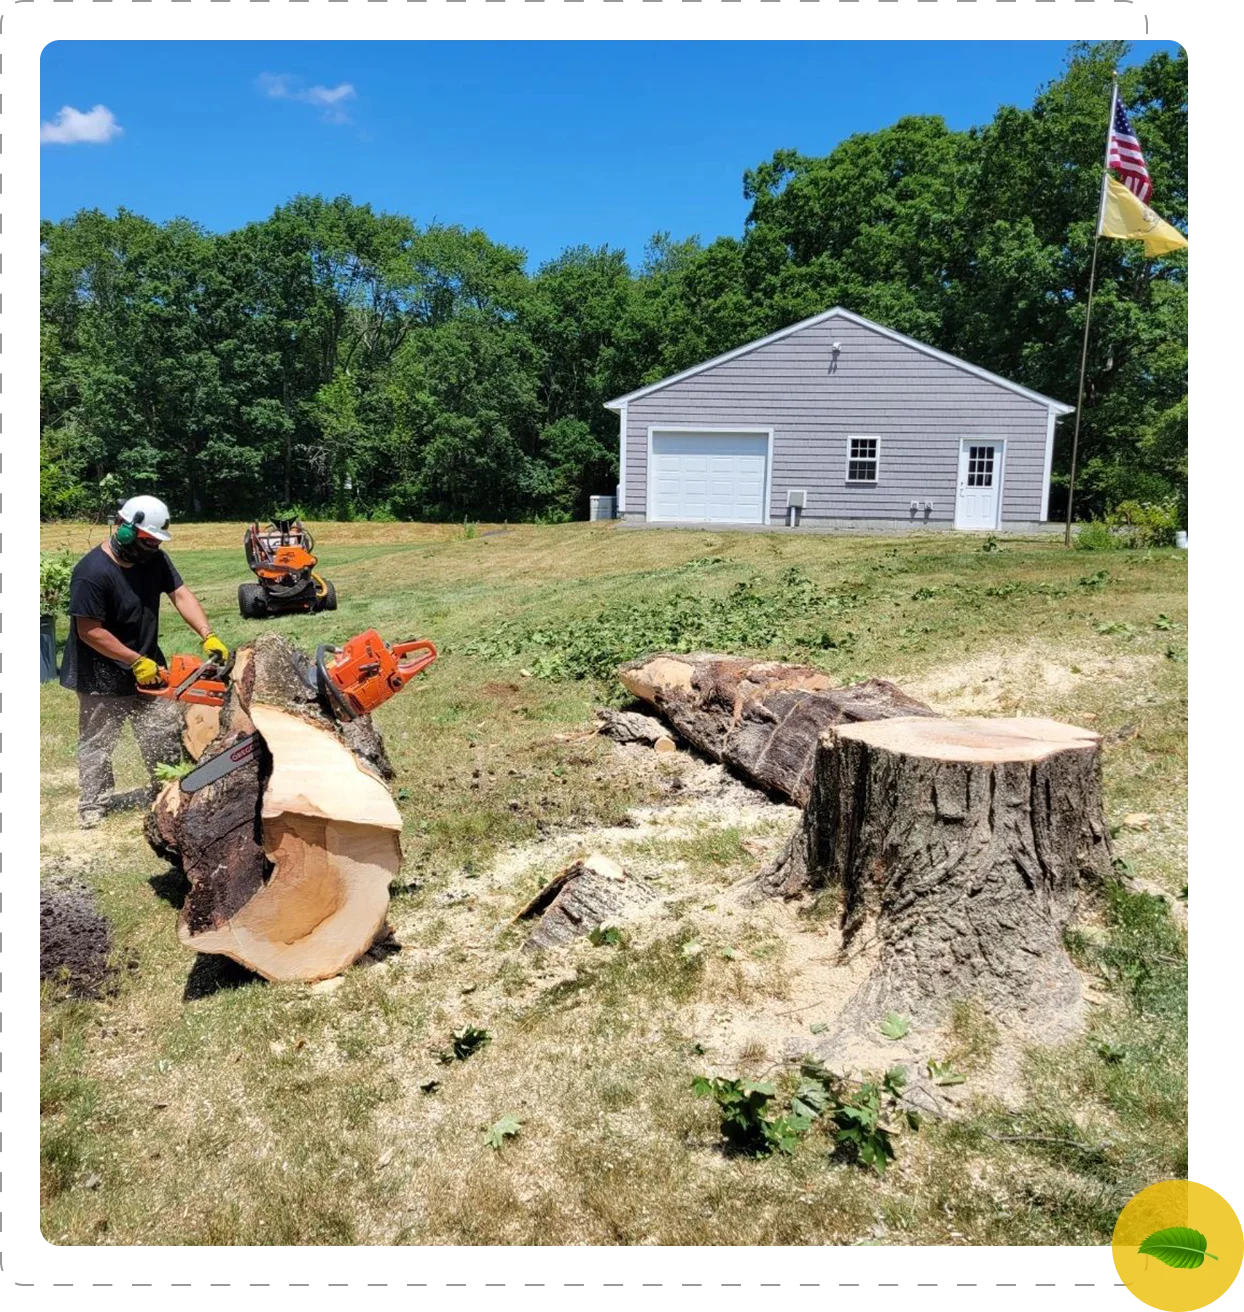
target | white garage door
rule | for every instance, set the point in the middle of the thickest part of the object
(713, 478)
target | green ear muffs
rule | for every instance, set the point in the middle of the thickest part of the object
(128, 545)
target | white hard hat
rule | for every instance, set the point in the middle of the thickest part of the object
(148, 514)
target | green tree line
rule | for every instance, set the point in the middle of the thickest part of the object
(355, 363)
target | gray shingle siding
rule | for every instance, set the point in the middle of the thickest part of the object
(919, 406)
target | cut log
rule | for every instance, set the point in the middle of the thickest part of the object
(203, 723)
(760, 718)
(289, 857)
(630, 726)
(958, 848)
(586, 895)
(201, 727)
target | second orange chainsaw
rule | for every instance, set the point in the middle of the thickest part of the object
(350, 681)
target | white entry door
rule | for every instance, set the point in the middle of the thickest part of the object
(707, 477)
(980, 484)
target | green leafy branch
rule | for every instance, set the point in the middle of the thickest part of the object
(755, 1124)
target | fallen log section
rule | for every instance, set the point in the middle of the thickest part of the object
(958, 847)
(761, 718)
(288, 857)
(589, 893)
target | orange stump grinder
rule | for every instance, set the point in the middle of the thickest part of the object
(281, 557)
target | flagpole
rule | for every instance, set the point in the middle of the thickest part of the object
(1088, 312)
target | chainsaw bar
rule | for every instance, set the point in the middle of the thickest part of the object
(244, 752)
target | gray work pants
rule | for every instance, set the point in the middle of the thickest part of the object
(157, 729)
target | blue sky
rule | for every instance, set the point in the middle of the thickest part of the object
(543, 145)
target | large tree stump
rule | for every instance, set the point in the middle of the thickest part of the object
(288, 857)
(958, 847)
(761, 718)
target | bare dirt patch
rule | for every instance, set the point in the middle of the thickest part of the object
(496, 689)
(75, 941)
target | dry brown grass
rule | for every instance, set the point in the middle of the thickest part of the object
(78, 535)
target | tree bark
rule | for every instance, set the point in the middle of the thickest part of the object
(289, 857)
(589, 893)
(958, 847)
(630, 726)
(760, 718)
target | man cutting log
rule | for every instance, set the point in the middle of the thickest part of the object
(114, 645)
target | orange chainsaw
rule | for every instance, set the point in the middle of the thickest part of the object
(350, 681)
(189, 679)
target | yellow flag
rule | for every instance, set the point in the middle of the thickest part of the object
(1127, 216)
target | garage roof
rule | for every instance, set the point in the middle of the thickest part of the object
(1059, 407)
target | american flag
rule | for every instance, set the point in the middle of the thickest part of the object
(1124, 154)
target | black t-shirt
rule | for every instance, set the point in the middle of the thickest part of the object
(127, 603)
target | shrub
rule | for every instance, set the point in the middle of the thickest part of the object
(1144, 524)
(54, 574)
(1096, 535)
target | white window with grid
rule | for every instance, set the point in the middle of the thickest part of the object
(863, 454)
(980, 466)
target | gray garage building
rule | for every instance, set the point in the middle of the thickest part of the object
(837, 422)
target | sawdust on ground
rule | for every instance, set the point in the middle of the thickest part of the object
(778, 1025)
(1031, 678)
(794, 998)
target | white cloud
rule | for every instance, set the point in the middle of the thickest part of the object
(330, 95)
(275, 85)
(96, 126)
(281, 86)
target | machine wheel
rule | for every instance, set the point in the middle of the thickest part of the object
(329, 600)
(252, 602)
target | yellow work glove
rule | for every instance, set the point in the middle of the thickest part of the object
(145, 670)
(215, 650)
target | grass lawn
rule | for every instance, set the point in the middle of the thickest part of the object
(198, 1105)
